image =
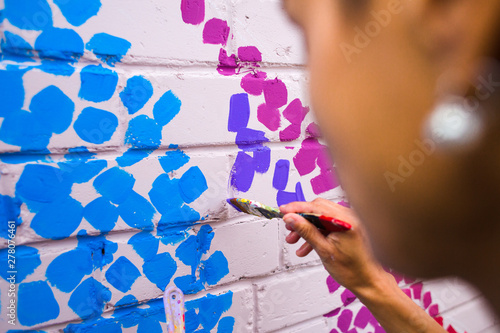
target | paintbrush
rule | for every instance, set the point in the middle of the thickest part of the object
(256, 208)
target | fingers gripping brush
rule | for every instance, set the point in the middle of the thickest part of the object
(319, 221)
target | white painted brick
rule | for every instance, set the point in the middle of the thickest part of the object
(282, 44)
(292, 297)
(251, 248)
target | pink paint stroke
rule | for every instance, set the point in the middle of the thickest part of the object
(193, 11)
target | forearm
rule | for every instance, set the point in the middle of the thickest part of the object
(394, 310)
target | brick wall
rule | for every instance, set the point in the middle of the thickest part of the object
(124, 127)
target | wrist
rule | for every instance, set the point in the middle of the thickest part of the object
(380, 285)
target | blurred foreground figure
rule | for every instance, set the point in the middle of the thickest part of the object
(407, 94)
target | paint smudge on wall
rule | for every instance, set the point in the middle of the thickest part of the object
(193, 11)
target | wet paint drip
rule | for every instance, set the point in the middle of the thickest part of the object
(173, 300)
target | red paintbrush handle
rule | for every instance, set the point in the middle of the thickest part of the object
(327, 223)
(334, 225)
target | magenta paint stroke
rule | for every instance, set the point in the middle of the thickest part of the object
(275, 93)
(269, 116)
(253, 83)
(216, 31)
(249, 54)
(193, 11)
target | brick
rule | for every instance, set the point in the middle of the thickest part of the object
(292, 297)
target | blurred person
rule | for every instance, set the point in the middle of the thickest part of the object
(406, 95)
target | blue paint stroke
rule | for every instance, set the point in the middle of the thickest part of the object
(133, 156)
(67, 270)
(51, 112)
(99, 248)
(12, 92)
(239, 112)
(20, 128)
(171, 235)
(36, 303)
(126, 300)
(80, 171)
(160, 277)
(210, 309)
(78, 12)
(27, 260)
(183, 215)
(58, 219)
(98, 83)
(62, 44)
(52, 109)
(173, 160)
(28, 14)
(42, 184)
(10, 208)
(215, 268)
(115, 184)
(137, 212)
(101, 214)
(167, 107)
(95, 125)
(89, 298)
(15, 48)
(165, 194)
(126, 317)
(136, 94)
(145, 244)
(281, 172)
(192, 184)
(226, 325)
(143, 132)
(110, 49)
(56, 67)
(122, 274)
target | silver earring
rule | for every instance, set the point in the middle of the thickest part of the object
(455, 125)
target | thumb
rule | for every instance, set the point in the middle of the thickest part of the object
(309, 232)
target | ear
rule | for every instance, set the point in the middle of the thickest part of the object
(454, 34)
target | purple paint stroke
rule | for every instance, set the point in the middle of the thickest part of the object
(295, 112)
(262, 159)
(269, 116)
(333, 285)
(227, 64)
(313, 131)
(363, 317)
(253, 83)
(239, 112)
(281, 173)
(344, 321)
(216, 31)
(275, 93)
(249, 54)
(292, 132)
(242, 172)
(193, 11)
(283, 197)
(347, 297)
(248, 136)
